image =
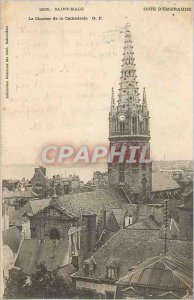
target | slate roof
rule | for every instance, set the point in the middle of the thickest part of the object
(34, 251)
(163, 182)
(18, 194)
(30, 208)
(119, 214)
(130, 246)
(166, 272)
(66, 272)
(147, 223)
(92, 202)
(172, 230)
(75, 204)
(38, 205)
(12, 238)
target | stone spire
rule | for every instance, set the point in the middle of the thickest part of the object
(128, 91)
(144, 101)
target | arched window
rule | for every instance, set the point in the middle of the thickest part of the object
(134, 125)
(54, 234)
(122, 127)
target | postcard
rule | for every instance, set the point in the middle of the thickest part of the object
(96, 140)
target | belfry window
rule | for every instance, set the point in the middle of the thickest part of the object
(122, 127)
(146, 124)
(134, 125)
(121, 173)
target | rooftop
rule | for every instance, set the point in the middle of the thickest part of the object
(163, 182)
(130, 246)
(166, 272)
(12, 238)
(30, 208)
(18, 194)
(54, 253)
(92, 202)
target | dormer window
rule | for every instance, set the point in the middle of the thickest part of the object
(86, 269)
(111, 273)
(112, 269)
(89, 266)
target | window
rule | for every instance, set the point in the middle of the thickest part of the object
(88, 294)
(122, 127)
(109, 295)
(89, 269)
(54, 234)
(121, 173)
(127, 221)
(111, 272)
(134, 124)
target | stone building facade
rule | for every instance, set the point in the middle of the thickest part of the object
(129, 126)
(55, 223)
(52, 223)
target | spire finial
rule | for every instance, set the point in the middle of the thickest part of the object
(127, 25)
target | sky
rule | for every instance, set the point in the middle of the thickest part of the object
(61, 74)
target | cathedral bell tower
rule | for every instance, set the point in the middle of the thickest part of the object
(129, 126)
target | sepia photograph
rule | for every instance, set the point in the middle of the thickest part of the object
(96, 149)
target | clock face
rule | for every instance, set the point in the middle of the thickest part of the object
(122, 118)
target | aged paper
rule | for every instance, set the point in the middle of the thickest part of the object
(96, 170)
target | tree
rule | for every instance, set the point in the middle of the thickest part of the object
(42, 284)
(15, 286)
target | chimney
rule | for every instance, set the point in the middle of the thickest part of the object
(26, 231)
(75, 261)
(88, 233)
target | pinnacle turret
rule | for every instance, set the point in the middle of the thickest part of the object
(112, 99)
(144, 101)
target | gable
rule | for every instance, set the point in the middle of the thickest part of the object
(53, 212)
